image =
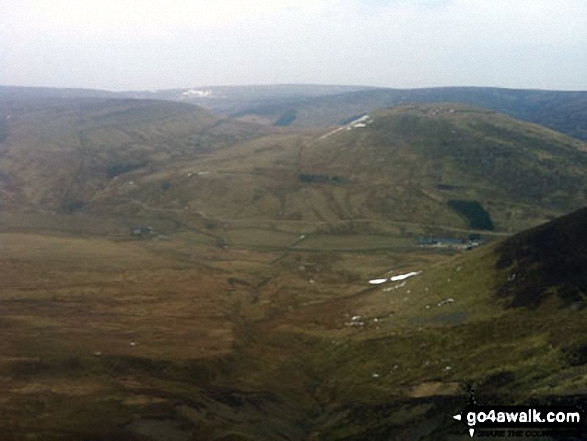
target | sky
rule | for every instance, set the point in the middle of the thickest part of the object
(154, 44)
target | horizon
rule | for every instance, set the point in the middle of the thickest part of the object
(358, 86)
(400, 44)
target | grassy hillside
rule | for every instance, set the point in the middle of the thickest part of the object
(410, 172)
(513, 329)
(381, 183)
(155, 341)
(561, 111)
(417, 162)
(57, 153)
(395, 361)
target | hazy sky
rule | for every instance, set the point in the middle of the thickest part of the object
(153, 44)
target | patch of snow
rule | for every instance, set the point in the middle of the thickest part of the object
(356, 317)
(358, 123)
(200, 93)
(404, 276)
(359, 120)
(378, 281)
(446, 301)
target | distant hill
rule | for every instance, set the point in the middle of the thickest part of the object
(421, 168)
(59, 152)
(35, 93)
(417, 167)
(235, 100)
(423, 162)
(565, 112)
(325, 105)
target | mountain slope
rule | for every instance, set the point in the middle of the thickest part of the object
(561, 111)
(417, 162)
(546, 261)
(58, 153)
(323, 105)
(408, 172)
(422, 169)
(115, 340)
(395, 361)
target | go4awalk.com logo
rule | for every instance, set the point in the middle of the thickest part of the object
(520, 421)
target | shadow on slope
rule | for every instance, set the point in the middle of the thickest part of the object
(549, 259)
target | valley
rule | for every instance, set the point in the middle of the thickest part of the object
(170, 274)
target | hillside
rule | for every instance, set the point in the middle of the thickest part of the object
(417, 162)
(58, 154)
(395, 361)
(155, 341)
(402, 173)
(561, 111)
(384, 181)
(507, 320)
(171, 275)
(307, 106)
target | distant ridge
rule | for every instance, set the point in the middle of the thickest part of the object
(51, 92)
(329, 105)
(565, 112)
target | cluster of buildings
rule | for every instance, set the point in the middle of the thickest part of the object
(473, 241)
